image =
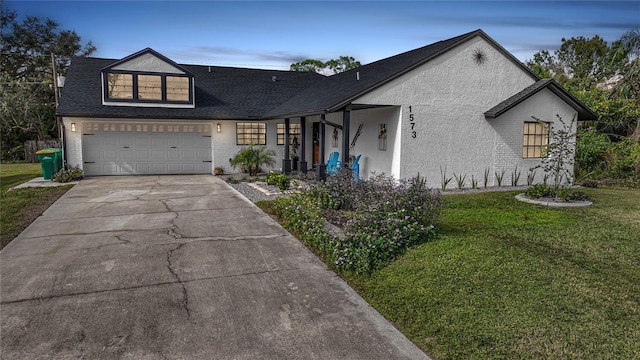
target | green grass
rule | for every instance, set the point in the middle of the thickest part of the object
(509, 280)
(18, 208)
(16, 173)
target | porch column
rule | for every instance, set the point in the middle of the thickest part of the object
(346, 120)
(322, 167)
(302, 165)
(286, 162)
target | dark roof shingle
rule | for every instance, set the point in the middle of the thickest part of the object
(584, 113)
(220, 92)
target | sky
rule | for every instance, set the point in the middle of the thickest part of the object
(274, 34)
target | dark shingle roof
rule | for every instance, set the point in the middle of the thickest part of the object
(334, 92)
(584, 113)
(235, 93)
(223, 93)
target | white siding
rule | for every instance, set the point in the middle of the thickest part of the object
(508, 139)
(448, 97)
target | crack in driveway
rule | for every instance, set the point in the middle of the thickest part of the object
(185, 294)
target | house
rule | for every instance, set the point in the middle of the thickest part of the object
(464, 104)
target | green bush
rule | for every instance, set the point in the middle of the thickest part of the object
(279, 179)
(591, 149)
(69, 175)
(538, 191)
(302, 215)
(617, 163)
(385, 218)
(252, 158)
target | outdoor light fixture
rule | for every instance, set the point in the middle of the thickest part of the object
(73, 127)
(219, 128)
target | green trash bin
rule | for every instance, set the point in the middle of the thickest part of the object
(47, 159)
(57, 159)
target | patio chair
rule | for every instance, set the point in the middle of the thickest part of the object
(333, 164)
(355, 167)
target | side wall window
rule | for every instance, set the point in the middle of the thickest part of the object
(535, 139)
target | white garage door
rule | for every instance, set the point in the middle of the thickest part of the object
(126, 148)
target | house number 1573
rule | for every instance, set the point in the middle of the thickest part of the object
(412, 123)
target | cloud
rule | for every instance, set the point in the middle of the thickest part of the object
(230, 56)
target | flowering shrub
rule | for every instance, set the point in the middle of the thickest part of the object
(387, 218)
(302, 215)
(390, 220)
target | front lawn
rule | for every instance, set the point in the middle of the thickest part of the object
(18, 208)
(510, 280)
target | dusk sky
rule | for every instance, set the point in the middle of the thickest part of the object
(272, 35)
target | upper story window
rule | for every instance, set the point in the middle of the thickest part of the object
(150, 87)
(177, 88)
(147, 78)
(120, 86)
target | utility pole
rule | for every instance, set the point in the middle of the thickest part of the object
(55, 92)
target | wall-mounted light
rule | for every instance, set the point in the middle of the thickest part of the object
(219, 128)
(73, 127)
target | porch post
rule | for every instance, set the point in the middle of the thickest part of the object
(346, 120)
(286, 162)
(302, 165)
(322, 167)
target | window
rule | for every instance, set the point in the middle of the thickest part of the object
(120, 86)
(535, 139)
(158, 88)
(177, 88)
(149, 87)
(294, 134)
(251, 133)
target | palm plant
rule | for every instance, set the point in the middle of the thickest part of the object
(252, 158)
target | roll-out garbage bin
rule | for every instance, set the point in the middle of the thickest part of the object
(50, 160)
(57, 159)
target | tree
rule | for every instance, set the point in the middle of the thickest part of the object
(343, 63)
(309, 65)
(581, 63)
(602, 76)
(27, 100)
(628, 87)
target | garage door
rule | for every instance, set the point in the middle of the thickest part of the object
(125, 148)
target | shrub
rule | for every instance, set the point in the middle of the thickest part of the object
(252, 157)
(302, 215)
(282, 181)
(69, 175)
(395, 220)
(386, 217)
(563, 193)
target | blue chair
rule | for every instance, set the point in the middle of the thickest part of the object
(333, 164)
(355, 167)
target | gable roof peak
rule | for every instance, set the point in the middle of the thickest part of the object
(142, 53)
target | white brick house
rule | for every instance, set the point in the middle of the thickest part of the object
(463, 104)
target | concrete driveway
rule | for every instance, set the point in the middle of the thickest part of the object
(177, 267)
